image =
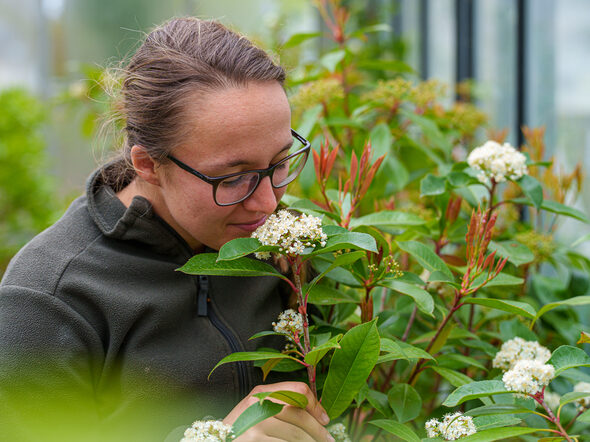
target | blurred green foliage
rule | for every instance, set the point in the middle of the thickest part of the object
(28, 201)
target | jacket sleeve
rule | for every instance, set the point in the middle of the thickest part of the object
(49, 362)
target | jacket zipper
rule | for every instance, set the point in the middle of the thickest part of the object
(203, 304)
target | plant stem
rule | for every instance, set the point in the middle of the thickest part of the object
(552, 417)
(296, 267)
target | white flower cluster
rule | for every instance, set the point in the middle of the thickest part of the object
(584, 402)
(291, 233)
(497, 161)
(208, 431)
(290, 323)
(339, 433)
(518, 349)
(452, 427)
(528, 377)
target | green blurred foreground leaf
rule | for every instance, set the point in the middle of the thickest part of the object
(350, 366)
(255, 414)
(251, 356)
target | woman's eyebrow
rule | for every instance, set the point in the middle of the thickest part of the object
(243, 162)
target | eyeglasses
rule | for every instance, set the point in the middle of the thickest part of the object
(236, 187)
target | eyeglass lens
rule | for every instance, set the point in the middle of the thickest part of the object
(239, 187)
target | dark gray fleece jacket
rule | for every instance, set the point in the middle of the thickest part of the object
(99, 334)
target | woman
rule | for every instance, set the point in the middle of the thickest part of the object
(92, 312)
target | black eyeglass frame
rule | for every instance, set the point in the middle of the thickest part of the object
(214, 181)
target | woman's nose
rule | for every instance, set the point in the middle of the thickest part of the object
(264, 198)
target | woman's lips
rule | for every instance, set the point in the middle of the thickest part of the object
(250, 227)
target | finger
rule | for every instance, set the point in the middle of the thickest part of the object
(288, 431)
(313, 405)
(305, 421)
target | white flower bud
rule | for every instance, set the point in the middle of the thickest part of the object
(497, 161)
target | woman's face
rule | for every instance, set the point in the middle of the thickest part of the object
(233, 130)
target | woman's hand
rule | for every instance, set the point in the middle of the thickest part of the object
(291, 424)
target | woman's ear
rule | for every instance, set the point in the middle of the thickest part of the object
(145, 166)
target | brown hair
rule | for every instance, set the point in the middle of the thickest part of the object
(178, 59)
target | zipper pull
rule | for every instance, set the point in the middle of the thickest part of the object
(203, 295)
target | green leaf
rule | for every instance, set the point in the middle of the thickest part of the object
(455, 378)
(255, 414)
(332, 59)
(532, 189)
(505, 433)
(555, 207)
(349, 240)
(386, 65)
(426, 257)
(381, 140)
(325, 295)
(495, 421)
(572, 396)
(460, 179)
(516, 307)
(430, 130)
(387, 218)
(503, 279)
(475, 390)
(297, 39)
(340, 260)
(462, 360)
(401, 350)
(251, 356)
(566, 357)
(264, 333)
(585, 416)
(423, 299)
(379, 401)
(432, 185)
(578, 300)
(350, 367)
(405, 402)
(238, 247)
(516, 252)
(397, 429)
(287, 396)
(206, 264)
(315, 355)
(497, 409)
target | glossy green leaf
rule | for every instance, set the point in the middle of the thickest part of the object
(560, 209)
(405, 402)
(388, 218)
(238, 247)
(497, 409)
(379, 401)
(350, 367)
(502, 279)
(566, 357)
(426, 257)
(571, 302)
(572, 396)
(423, 299)
(505, 433)
(475, 390)
(455, 378)
(432, 185)
(519, 308)
(495, 421)
(287, 396)
(585, 416)
(263, 334)
(397, 429)
(464, 361)
(297, 39)
(255, 414)
(207, 264)
(325, 295)
(349, 240)
(401, 350)
(251, 356)
(316, 355)
(516, 252)
(532, 189)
